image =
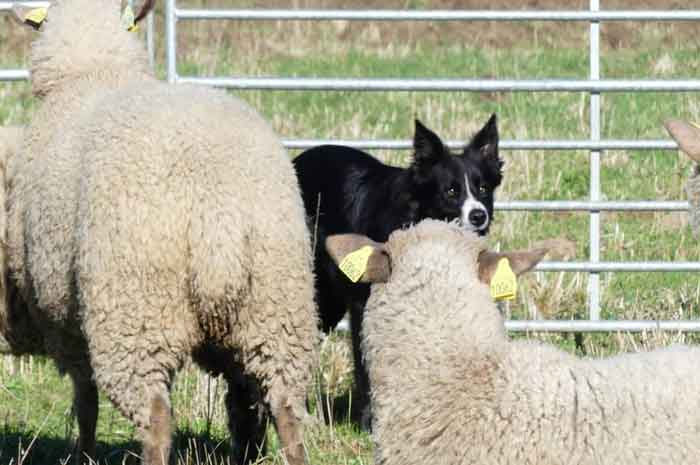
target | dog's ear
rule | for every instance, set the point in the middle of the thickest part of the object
(427, 145)
(520, 262)
(687, 135)
(377, 268)
(484, 144)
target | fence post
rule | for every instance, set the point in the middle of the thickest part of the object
(594, 189)
(171, 40)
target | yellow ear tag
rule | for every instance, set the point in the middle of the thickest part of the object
(36, 17)
(504, 286)
(128, 20)
(354, 264)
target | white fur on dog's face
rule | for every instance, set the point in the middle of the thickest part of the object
(470, 204)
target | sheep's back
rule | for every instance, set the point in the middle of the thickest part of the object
(633, 408)
(178, 180)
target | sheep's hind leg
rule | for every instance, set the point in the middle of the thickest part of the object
(85, 406)
(157, 436)
(247, 418)
(137, 379)
(289, 429)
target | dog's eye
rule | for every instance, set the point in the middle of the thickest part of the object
(451, 192)
(482, 189)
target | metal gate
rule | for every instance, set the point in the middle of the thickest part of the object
(594, 86)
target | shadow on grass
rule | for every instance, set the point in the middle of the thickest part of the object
(340, 409)
(21, 447)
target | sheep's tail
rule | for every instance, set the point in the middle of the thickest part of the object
(145, 9)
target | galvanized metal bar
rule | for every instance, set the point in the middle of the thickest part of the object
(596, 206)
(14, 74)
(391, 144)
(471, 85)
(594, 160)
(601, 326)
(438, 15)
(171, 41)
(7, 6)
(605, 267)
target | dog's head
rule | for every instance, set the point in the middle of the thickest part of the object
(459, 186)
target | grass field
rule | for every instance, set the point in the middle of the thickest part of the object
(35, 401)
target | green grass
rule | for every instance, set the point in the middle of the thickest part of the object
(34, 400)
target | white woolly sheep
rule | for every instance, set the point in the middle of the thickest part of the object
(10, 137)
(147, 224)
(450, 388)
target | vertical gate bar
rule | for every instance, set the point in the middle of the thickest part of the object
(171, 40)
(594, 194)
(150, 40)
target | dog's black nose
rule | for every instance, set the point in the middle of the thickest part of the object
(477, 218)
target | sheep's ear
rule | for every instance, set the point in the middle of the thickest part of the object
(520, 262)
(687, 135)
(30, 17)
(378, 266)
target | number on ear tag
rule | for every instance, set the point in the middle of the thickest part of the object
(354, 264)
(504, 285)
(36, 17)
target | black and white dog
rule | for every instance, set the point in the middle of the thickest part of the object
(348, 191)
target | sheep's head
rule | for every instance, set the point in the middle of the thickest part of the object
(448, 238)
(82, 37)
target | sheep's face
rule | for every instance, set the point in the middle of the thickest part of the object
(687, 135)
(430, 241)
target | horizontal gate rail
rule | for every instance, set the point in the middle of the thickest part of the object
(602, 326)
(603, 267)
(443, 85)
(392, 144)
(437, 15)
(587, 205)
(7, 6)
(14, 74)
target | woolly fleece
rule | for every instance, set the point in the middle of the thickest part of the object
(450, 388)
(148, 223)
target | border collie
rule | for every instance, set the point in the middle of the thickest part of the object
(348, 191)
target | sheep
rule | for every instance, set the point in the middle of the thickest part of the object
(149, 224)
(450, 388)
(688, 138)
(10, 137)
